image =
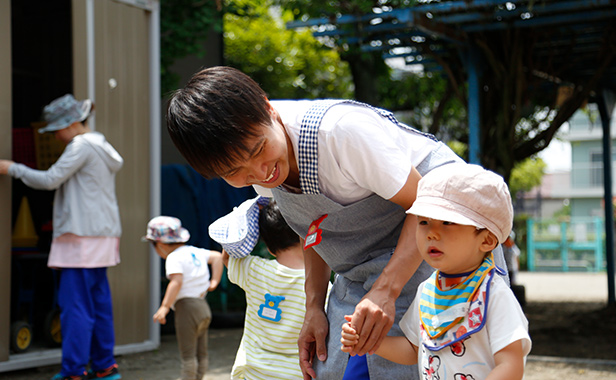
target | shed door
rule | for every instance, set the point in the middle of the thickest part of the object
(122, 115)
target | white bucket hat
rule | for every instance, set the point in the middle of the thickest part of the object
(238, 231)
(166, 229)
(466, 194)
(64, 111)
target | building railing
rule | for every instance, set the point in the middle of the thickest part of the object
(576, 244)
(588, 175)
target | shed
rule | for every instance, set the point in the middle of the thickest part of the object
(105, 50)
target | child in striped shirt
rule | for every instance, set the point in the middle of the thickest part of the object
(274, 289)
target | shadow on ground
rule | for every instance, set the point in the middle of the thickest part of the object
(572, 329)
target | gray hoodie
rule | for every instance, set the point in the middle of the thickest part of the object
(85, 202)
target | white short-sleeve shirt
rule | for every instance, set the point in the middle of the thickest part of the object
(191, 262)
(505, 324)
(360, 152)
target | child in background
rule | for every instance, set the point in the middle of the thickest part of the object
(86, 235)
(189, 281)
(465, 322)
(274, 289)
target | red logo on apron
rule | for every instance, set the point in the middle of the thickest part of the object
(313, 237)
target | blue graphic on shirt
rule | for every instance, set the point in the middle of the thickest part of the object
(270, 310)
(196, 261)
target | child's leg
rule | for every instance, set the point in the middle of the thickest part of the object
(103, 336)
(185, 332)
(76, 319)
(202, 342)
(190, 318)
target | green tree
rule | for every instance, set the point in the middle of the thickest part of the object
(526, 175)
(286, 63)
(184, 27)
(426, 102)
(368, 68)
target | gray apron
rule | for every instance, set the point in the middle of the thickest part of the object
(357, 242)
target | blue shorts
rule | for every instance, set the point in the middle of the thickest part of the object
(357, 368)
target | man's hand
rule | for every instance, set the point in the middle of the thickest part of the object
(373, 317)
(312, 341)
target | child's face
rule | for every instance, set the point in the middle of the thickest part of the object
(65, 135)
(449, 247)
(267, 164)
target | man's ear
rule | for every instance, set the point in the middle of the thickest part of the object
(271, 107)
(490, 241)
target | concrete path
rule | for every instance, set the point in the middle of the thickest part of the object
(558, 286)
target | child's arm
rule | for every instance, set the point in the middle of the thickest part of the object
(175, 284)
(509, 363)
(215, 261)
(225, 258)
(397, 349)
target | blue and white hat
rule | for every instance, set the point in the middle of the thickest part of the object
(64, 111)
(166, 229)
(238, 231)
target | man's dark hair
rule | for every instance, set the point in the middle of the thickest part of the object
(274, 230)
(210, 119)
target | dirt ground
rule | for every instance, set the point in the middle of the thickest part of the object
(570, 329)
(571, 340)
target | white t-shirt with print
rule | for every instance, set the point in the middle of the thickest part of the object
(191, 262)
(505, 323)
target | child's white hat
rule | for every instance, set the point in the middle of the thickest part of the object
(238, 231)
(166, 229)
(466, 194)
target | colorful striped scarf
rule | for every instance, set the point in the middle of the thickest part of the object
(440, 310)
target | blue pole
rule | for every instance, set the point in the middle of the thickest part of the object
(564, 248)
(598, 244)
(474, 104)
(530, 245)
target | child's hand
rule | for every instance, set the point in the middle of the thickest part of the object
(161, 314)
(349, 337)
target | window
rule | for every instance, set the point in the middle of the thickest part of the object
(596, 167)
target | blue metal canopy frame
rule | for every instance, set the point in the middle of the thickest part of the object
(572, 42)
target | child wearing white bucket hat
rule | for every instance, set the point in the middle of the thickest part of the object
(187, 269)
(275, 297)
(465, 321)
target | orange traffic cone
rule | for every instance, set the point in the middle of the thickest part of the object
(24, 234)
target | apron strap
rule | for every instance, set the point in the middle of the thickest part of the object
(308, 139)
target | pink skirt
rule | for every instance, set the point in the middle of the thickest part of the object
(72, 251)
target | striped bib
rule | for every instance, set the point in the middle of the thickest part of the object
(448, 316)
